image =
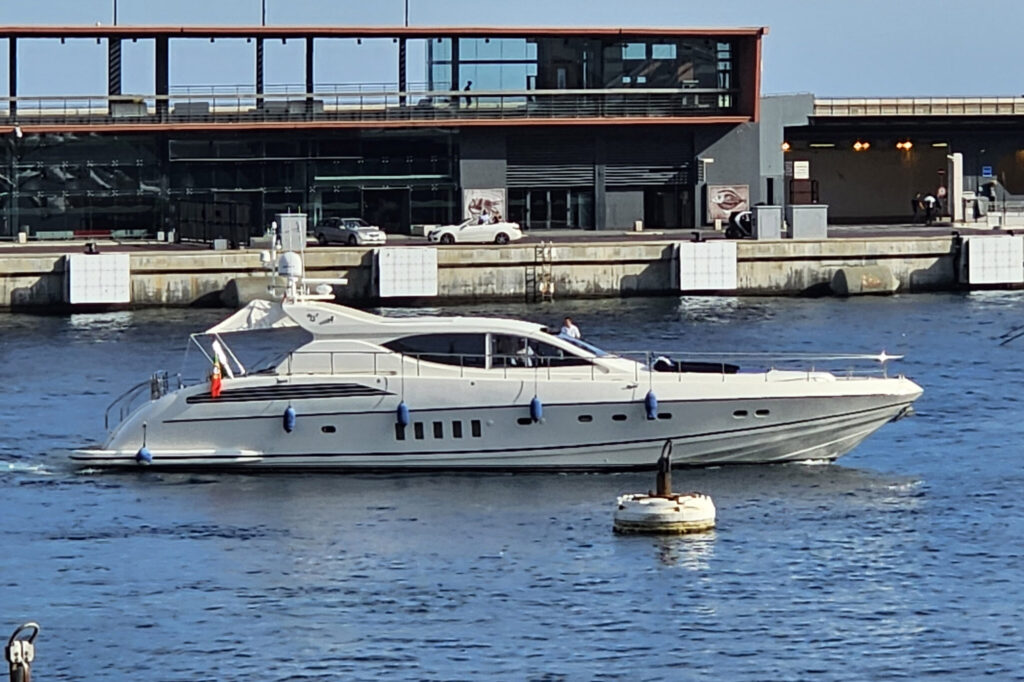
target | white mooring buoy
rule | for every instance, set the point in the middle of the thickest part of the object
(664, 512)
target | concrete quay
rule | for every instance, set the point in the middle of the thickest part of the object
(33, 276)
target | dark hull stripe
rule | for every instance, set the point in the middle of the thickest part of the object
(663, 407)
(288, 392)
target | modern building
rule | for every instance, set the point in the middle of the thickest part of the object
(867, 158)
(553, 127)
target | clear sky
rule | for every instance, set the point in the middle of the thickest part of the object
(832, 48)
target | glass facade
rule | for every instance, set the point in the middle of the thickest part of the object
(551, 208)
(516, 64)
(198, 183)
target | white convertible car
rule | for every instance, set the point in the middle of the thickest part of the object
(472, 231)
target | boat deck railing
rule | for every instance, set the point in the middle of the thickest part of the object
(678, 363)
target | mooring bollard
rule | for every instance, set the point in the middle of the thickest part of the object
(20, 652)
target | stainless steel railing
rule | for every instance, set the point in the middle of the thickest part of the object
(366, 106)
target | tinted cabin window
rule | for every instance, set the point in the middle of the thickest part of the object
(466, 350)
(518, 351)
(456, 429)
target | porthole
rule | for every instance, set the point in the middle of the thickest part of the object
(762, 413)
(456, 429)
(399, 432)
(524, 421)
(585, 418)
(474, 428)
(619, 417)
(328, 429)
(664, 415)
(740, 414)
(417, 430)
(438, 429)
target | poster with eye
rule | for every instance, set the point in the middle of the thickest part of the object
(724, 199)
(478, 201)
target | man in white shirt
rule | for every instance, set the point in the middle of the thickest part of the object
(570, 330)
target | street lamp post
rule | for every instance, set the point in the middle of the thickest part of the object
(263, 13)
(115, 12)
(407, 13)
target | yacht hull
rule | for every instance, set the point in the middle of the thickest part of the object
(348, 429)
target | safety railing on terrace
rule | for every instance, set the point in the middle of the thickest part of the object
(920, 106)
(368, 107)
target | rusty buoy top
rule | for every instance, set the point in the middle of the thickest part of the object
(662, 511)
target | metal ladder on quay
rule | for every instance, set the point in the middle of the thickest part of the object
(540, 282)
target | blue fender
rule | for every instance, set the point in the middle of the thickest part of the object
(651, 404)
(402, 414)
(144, 456)
(289, 419)
(536, 409)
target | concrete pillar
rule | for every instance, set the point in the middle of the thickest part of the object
(955, 191)
(600, 203)
(162, 76)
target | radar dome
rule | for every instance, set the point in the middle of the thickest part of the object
(290, 265)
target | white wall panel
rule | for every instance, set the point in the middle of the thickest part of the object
(98, 278)
(407, 271)
(995, 260)
(707, 266)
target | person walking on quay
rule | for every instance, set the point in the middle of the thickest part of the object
(469, 86)
(916, 208)
(570, 330)
(930, 203)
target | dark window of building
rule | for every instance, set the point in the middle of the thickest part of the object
(552, 208)
(466, 350)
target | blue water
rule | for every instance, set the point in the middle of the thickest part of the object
(904, 560)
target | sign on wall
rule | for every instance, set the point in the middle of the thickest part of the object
(724, 199)
(477, 201)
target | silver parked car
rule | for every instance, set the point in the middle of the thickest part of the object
(350, 231)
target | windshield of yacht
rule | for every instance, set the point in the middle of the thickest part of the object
(584, 345)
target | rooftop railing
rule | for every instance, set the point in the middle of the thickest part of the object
(367, 106)
(919, 106)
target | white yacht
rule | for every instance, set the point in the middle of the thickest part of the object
(367, 392)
